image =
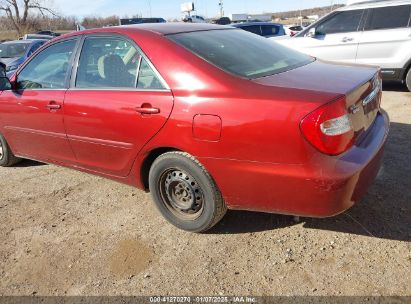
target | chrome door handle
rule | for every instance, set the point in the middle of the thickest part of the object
(147, 109)
(53, 106)
(347, 39)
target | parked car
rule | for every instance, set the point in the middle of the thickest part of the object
(293, 30)
(205, 117)
(222, 21)
(130, 21)
(14, 53)
(194, 19)
(265, 29)
(375, 33)
(48, 33)
(36, 36)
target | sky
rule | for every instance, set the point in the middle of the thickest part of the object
(171, 8)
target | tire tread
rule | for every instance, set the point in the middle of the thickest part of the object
(221, 208)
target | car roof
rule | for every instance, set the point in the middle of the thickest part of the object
(374, 3)
(255, 23)
(171, 28)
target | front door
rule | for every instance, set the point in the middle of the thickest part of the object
(336, 38)
(32, 113)
(117, 103)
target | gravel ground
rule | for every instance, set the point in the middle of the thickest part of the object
(67, 233)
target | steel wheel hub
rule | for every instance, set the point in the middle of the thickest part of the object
(182, 194)
(1, 151)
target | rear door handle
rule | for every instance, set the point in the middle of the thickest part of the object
(146, 108)
(53, 106)
(347, 39)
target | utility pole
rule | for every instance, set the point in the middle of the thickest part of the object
(149, 6)
(221, 4)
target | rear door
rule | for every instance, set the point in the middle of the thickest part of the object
(337, 37)
(386, 40)
(117, 102)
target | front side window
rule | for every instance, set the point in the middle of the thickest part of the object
(343, 22)
(241, 53)
(107, 62)
(49, 69)
(388, 17)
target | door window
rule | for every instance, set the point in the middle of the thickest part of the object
(270, 30)
(253, 29)
(49, 69)
(388, 17)
(343, 22)
(110, 62)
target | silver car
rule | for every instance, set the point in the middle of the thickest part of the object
(370, 32)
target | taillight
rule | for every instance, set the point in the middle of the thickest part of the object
(329, 128)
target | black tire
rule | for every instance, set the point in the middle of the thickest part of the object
(7, 158)
(408, 80)
(185, 193)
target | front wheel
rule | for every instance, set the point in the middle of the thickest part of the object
(185, 193)
(408, 79)
(7, 157)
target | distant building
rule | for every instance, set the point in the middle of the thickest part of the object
(313, 17)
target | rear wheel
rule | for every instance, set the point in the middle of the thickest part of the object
(185, 193)
(408, 79)
(7, 157)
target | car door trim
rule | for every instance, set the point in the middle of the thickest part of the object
(102, 142)
(38, 132)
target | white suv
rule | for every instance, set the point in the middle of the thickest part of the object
(194, 19)
(372, 32)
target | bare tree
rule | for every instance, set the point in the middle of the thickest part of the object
(18, 12)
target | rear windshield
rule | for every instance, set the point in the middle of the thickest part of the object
(241, 53)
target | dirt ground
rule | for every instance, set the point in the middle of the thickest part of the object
(67, 233)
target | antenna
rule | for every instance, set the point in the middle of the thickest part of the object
(221, 4)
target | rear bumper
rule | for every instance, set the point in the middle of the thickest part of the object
(326, 186)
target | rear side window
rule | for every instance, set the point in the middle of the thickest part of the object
(270, 30)
(147, 78)
(111, 62)
(255, 29)
(343, 22)
(388, 17)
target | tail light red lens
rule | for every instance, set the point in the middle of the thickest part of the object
(329, 128)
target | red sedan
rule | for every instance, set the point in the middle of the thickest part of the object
(204, 117)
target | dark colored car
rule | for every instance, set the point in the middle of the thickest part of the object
(48, 33)
(131, 21)
(265, 29)
(14, 53)
(206, 117)
(222, 21)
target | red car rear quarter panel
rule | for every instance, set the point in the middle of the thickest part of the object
(260, 148)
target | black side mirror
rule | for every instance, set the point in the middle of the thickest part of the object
(5, 83)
